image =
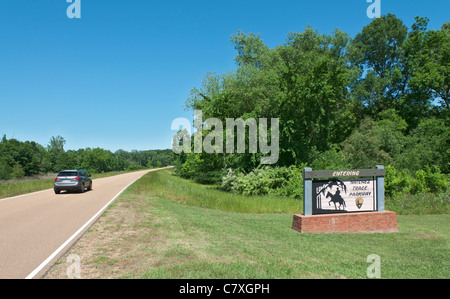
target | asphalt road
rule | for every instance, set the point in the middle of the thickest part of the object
(36, 229)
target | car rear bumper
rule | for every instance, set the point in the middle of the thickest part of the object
(67, 186)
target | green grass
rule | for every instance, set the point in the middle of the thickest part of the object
(420, 204)
(160, 228)
(203, 243)
(10, 189)
(167, 185)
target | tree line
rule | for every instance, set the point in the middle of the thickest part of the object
(380, 98)
(19, 159)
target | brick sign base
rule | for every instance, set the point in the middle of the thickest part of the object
(372, 222)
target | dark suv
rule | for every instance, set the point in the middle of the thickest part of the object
(72, 180)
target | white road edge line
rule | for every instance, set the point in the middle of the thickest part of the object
(54, 254)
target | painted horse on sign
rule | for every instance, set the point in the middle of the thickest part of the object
(337, 199)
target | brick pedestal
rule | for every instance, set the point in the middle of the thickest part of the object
(374, 222)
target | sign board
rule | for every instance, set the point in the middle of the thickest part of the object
(344, 196)
(344, 173)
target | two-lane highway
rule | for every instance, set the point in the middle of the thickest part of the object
(36, 229)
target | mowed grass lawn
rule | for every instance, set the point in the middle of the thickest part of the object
(167, 227)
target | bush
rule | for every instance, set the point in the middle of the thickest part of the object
(293, 187)
(397, 182)
(424, 181)
(429, 180)
(425, 192)
(132, 167)
(281, 181)
(203, 168)
(329, 160)
(17, 172)
(258, 182)
(5, 170)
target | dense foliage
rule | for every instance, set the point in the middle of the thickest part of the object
(380, 98)
(19, 159)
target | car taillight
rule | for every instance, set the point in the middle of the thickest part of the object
(76, 179)
(57, 179)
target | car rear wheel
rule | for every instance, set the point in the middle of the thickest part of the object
(57, 191)
(82, 187)
(90, 186)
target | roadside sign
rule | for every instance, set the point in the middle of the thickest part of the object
(344, 196)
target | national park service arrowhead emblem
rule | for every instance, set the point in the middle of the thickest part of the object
(359, 202)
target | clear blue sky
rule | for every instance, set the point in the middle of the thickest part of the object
(117, 77)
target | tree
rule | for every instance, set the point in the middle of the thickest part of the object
(317, 110)
(97, 160)
(378, 44)
(376, 50)
(428, 56)
(374, 142)
(56, 151)
(427, 145)
(5, 170)
(22, 157)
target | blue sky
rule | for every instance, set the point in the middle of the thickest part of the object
(119, 76)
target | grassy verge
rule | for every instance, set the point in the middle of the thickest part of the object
(10, 189)
(19, 187)
(152, 233)
(420, 204)
(166, 185)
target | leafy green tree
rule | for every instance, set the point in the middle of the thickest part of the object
(45, 163)
(428, 57)
(317, 110)
(5, 170)
(303, 83)
(376, 50)
(22, 156)
(378, 44)
(18, 172)
(97, 160)
(57, 154)
(378, 142)
(427, 145)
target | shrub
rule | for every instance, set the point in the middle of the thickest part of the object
(133, 166)
(293, 187)
(329, 160)
(203, 168)
(425, 192)
(257, 182)
(397, 182)
(18, 172)
(424, 181)
(429, 180)
(5, 170)
(281, 181)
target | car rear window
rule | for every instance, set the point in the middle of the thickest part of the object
(68, 173)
